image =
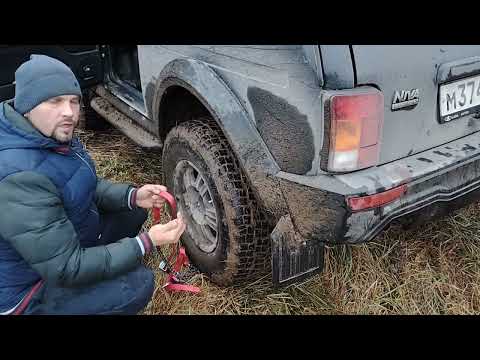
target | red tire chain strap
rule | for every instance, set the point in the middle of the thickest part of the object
(26, 300)
(173, 284)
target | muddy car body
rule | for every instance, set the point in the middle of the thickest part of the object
(320, 144)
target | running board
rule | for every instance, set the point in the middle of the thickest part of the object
(125, 124)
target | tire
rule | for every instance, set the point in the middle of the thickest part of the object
(241, 249)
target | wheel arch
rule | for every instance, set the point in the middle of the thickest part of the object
(201, 85)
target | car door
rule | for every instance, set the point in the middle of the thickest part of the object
(84, 60)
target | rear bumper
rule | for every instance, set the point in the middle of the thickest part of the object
(425, 199)
(438, 180)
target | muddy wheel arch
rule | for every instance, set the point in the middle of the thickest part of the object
(224, 107)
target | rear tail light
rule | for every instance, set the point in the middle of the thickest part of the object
(355, 126)
(376, 200)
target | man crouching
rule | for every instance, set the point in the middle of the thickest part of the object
(69, 240)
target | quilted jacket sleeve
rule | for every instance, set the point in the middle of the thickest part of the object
(34, 221)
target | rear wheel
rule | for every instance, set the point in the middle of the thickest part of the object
(227, 235)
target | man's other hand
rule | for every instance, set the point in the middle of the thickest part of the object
(168, 233)
(147, 196)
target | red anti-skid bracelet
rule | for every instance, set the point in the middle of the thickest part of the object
(172, 284)
(171, 203)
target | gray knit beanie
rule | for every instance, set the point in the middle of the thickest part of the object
(40, 79)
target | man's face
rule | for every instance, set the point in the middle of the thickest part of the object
(56, 117)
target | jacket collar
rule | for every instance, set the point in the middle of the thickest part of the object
(19, 121)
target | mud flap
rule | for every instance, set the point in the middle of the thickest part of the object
(293, 257)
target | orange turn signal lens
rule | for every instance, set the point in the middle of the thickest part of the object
(347, 135)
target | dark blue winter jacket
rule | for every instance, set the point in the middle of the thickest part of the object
(50, 198)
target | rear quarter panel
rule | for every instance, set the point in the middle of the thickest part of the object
(276, 84)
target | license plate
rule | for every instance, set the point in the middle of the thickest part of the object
(459, 98)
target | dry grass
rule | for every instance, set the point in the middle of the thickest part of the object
(431, 270)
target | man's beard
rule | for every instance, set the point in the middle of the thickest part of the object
(61, 137)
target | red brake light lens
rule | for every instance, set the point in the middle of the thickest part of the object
(376, 200)
(355, 127)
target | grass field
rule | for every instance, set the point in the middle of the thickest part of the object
(431, 270)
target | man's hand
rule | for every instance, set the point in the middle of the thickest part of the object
(147, 196)
(168, 233)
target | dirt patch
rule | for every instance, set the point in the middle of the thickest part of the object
(284, 129)
(314, 212)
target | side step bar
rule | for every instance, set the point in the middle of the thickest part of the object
(125, 124)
